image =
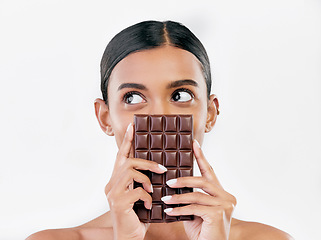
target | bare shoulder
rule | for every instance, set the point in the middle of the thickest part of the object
(53, 234)
(96, 229)
(258, 231)
(77, 233)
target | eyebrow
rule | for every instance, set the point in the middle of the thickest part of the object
(181, 83)
(132, 85)
(173, 84)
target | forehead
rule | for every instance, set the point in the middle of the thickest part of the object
(159, 65)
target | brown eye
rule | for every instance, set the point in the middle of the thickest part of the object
(132, 98)
(182, 95)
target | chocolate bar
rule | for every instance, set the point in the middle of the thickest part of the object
(167, 140)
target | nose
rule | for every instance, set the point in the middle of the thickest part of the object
(160, 107)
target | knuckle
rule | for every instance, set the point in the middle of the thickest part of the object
(234, 200)
(114, 204)
(229, 206)
(149, 197)
(144, 178)
(121, 154)
(142, 193)
(198, 195)
(208, 170)
(109, 188)
(148, 164)
(204, 171)
(219, 212)
(110, 198)
(140, 190)
(128, 163)
(192, 207)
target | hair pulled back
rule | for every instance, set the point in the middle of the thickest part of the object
(148, 35)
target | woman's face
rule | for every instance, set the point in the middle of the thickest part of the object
(163, 80)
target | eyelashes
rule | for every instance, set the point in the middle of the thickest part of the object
(183, 90)
(134, 97)
(129, 96)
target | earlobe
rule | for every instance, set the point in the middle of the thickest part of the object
(212, 112)
(102, 114)
(109, 131)
(209, 126)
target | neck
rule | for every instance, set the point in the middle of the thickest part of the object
(173, 230)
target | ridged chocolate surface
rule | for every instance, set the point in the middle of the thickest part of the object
(167, 140)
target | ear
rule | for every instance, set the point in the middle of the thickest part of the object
(212, 112)
(103, 117)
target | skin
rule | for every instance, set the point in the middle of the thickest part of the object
(155, 69)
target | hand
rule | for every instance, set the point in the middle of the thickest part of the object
(213, 209)
(121, 195)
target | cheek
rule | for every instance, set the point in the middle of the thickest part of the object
(119, 122)
(199, 119)
(119, 135)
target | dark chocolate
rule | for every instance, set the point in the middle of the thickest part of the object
(167, 140)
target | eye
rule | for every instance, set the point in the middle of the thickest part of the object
(132, 98)
(182, 95)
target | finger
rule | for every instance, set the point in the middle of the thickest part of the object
(125, 147)
(127, 178)
(143, 164)
(193, 197)
(204, 166)
(196, 182)
(208, 214)
(140, 164)
(140, 194)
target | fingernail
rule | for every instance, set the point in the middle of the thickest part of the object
(162, 167)
(197, 143)
(128, 126)
(171, 182)
(150, 207)
(151, 187)
(166, 198)
(168, 210)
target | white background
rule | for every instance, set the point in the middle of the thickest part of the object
(265, 147)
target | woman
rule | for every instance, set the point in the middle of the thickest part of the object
(160, 68)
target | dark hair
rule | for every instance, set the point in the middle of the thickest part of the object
(148, 35)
